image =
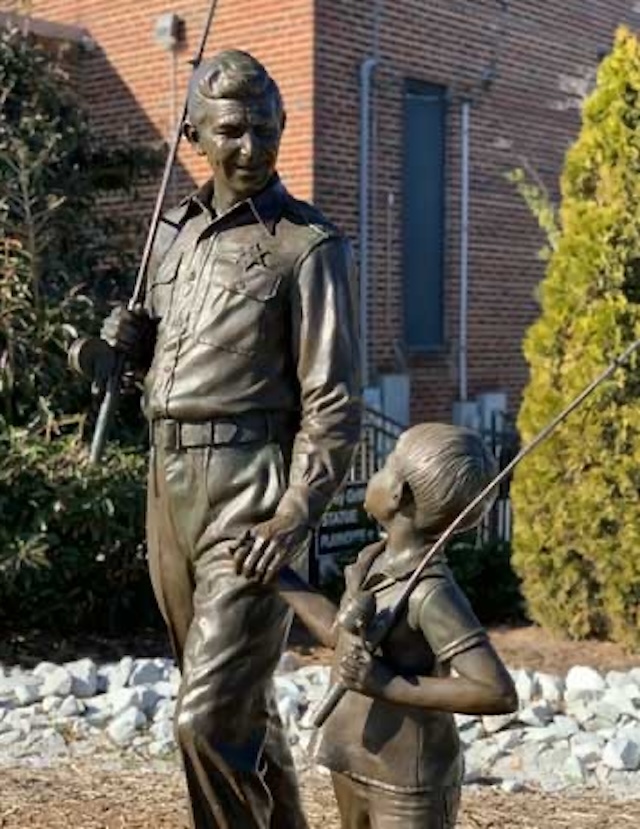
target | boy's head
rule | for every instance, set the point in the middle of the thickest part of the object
(235, 118)
(434, 472)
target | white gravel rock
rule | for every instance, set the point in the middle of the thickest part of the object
(512, 786)
(84, 674)
(147, 672)
(165, 710)
(148, 698)
(551, 687)
(586, 734)
(498, 722)
(70, 707)
(537, 714)
(113, 676)
(527, 686)
(121, 699)
(472, 733)
(43, 669)
(125, 726)
(621, 754)
(581, 681)
(11, 737)
(574, 770)
(27, 693)
(56, 683)
(616, 679)
(563, 727)
(587, 748)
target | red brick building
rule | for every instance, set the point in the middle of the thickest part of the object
(379, 97)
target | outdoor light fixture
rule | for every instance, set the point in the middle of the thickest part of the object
(169, 31)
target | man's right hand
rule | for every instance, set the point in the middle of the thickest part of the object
(130, 332)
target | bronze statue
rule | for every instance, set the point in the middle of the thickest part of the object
(248, 348)
(391, 743)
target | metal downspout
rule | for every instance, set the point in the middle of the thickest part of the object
(366, 72)
(465, 113)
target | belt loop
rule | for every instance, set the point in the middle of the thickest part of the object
(178, 435)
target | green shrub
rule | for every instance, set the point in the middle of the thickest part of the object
(576, 498)
(484, 573)
(72, 556)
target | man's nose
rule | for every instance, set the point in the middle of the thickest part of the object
(248, 143)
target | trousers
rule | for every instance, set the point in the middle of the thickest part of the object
(227, 633)
(367, 807)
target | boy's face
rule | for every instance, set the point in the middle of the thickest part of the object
(240, 139)
(383, 491)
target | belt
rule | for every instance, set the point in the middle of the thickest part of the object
(232, 430)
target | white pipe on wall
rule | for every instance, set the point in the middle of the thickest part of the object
(465, 118)
(366, 73)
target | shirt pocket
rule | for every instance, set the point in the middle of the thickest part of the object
(160, 293)
(238, 303)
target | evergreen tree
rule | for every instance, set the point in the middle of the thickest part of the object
(577, 497)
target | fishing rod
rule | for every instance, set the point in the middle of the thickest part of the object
(112, 389)
(356, 619)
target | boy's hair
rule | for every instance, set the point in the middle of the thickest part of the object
(445, 467)
(230, 74)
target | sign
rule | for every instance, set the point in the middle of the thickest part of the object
(345, 529)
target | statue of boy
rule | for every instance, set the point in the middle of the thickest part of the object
(247, 340)
(391, 743)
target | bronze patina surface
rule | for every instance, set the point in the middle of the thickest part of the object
(248, 346)
(391, 743)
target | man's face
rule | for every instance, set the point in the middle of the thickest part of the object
(240, 140)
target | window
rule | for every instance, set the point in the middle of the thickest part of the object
(423, 215)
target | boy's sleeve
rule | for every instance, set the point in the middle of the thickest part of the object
(441, 611)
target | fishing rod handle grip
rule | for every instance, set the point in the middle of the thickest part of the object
(108, 407)
(332, 698)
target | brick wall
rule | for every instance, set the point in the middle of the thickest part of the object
(527, 115)
(314, 49)
(127, 78)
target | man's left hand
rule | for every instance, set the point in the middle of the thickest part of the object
(267, 547)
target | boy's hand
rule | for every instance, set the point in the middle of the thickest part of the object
(360, 671)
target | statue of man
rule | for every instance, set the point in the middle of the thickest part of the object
(248, 345)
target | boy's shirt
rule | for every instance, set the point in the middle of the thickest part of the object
(392, 746)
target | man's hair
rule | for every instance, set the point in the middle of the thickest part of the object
(230, 74)
(445, 468)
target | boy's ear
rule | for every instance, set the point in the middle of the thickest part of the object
(406, 497)
(401, 495)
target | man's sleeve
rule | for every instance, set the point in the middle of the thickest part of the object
(326, 355)
(443, 613)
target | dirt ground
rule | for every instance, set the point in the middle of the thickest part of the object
(83, 797)
(86, 796)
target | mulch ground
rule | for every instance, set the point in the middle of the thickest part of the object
(84, 797)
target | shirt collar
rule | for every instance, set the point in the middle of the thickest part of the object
(266, 207)
(398, 566)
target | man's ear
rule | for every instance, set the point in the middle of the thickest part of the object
(191, 134)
